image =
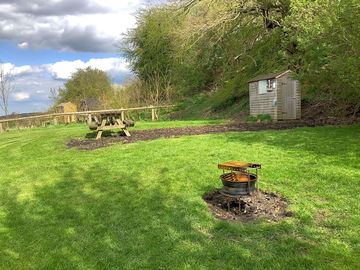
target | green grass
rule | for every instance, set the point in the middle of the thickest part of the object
(139, 206)
(177, 123)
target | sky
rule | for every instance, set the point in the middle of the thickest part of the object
(42, 42)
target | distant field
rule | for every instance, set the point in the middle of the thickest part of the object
(139, 206)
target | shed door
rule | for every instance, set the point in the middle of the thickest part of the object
(289, 98)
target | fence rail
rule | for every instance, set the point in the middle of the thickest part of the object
(72, 115)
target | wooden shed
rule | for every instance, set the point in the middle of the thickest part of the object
(275, 94)
(90, 104)
(67, 107)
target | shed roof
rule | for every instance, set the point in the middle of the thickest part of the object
(269, 76)
(61, 105)
(89, 104)
(65, 104)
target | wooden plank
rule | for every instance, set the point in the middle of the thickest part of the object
(153, 114)
(110, 127)
(1, 128)
(99, 134)
(127, 133)
(237, 165)
(100, 129)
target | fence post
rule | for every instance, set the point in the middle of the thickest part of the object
(122, 115)
(152, 113)
(1, 128)
(55, 121)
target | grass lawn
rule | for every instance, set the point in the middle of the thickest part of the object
(139, 206)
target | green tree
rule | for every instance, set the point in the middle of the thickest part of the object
(149, 49)
(86, 83)
(327, 33)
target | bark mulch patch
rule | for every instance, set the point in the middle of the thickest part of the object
(145, 135)
(258, 205)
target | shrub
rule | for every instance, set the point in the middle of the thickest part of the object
(259, 118)
(251, 119)
(264, 117)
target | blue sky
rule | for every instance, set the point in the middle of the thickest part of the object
(43, 42)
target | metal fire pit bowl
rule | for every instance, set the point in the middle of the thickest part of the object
(238, 184)
(240, 180)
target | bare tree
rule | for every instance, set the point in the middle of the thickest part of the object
(54, 94)
(6, 88)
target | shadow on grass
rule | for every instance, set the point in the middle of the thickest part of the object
(106, 133)
(322, 141)
(93, 220)
(90, 135)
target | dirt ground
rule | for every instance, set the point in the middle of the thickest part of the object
(260, 205)
(145, 135)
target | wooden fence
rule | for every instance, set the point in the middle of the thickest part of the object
(55, 118)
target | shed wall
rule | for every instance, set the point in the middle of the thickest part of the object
(69, 107)
(262, 103)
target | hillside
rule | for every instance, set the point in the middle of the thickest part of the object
(200, 54)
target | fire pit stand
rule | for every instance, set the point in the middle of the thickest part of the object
(240, 198)
(242, 179)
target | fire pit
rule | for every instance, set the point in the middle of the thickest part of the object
(240, 198)
(240, 180)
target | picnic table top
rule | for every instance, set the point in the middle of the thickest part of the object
(237, 165)
(110, 113)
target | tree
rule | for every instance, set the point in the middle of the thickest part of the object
(6, 88)
(54, 94)
(327, 33)
(149, 49)
(84, 84)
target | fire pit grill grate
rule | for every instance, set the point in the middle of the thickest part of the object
(240, 180)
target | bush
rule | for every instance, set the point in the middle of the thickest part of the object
(264, 118)
(259, 118)
(251, 119)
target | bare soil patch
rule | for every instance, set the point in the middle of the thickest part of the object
(258, 205)
(145, 135)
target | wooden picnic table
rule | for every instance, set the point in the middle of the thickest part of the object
(108, 121)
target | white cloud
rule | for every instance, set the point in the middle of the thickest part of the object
(23, 70)
(33, 83)
(81, 25)
(7, 67)
(20, 96)
(23, 45)
(20, 70)
(63, 70)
